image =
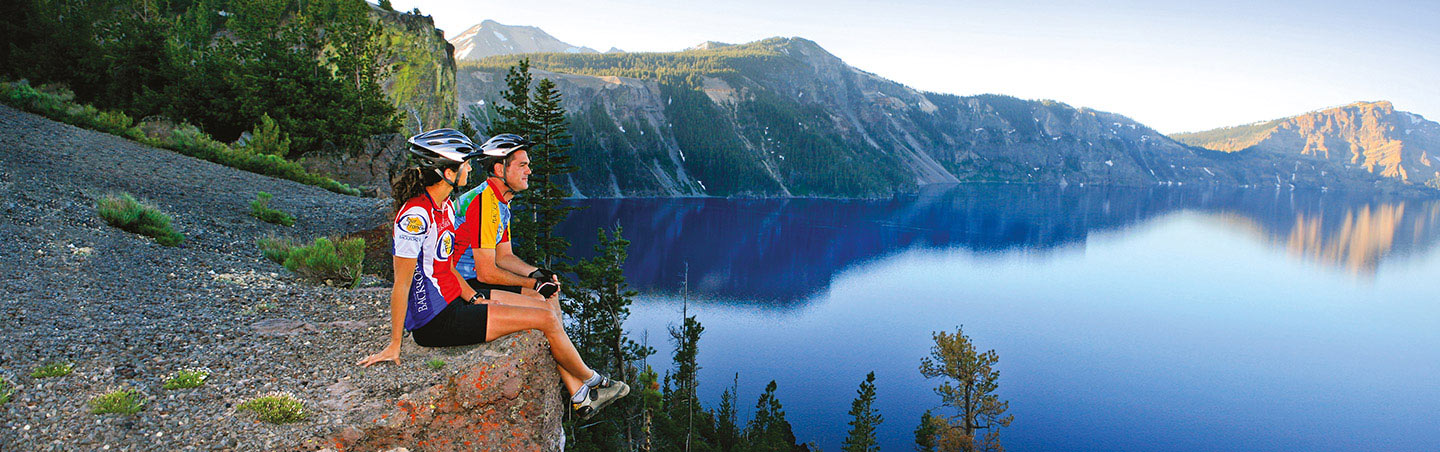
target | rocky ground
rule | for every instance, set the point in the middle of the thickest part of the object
(128, 312)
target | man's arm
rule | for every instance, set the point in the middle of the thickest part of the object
(487, 269)
(507, 260)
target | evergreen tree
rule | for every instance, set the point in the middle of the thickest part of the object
(385, 5)
(515, 117)
(768, 431)
(682, 404)
(969, 380)
(864, 419)
(727, 425)
(267, 138)
(468, 129)
(927, 433)
(549, 164)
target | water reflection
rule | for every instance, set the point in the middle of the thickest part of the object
(781, 252)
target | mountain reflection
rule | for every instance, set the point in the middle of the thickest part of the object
(781, 251)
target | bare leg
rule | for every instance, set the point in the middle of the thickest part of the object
(505, 319)
(530, 299)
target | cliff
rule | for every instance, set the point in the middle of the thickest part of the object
(1373, 136)
(421, 80)
(784, 117)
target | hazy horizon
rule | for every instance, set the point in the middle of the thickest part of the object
(1174, 67)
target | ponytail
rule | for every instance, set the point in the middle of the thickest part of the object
(411, 183)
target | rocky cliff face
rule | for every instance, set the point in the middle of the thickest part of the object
(491, 38)
(783, 117)
(1368, 135)
(421, 82)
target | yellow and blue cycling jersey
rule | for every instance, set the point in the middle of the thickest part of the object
(484, 223)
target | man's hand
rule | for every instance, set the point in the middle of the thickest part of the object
(390, 353)
(541, 274)
(546, 287)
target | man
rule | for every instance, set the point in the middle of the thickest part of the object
(487, 261)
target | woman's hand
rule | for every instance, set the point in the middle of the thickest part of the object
(390, 353)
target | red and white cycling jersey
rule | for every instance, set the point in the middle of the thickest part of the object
(425, 231)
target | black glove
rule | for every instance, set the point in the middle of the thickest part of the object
(546, 287)
(541, 274)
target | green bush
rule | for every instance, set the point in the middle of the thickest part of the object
(55, 103)
(276, 408)
(435, 363)
(6, 390)
(260, 208)
(321, 261)
(124, 212)
(186, 379)
(55, 369)
(267, 138)
(120, 401)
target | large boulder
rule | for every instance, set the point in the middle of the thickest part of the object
(502, 396)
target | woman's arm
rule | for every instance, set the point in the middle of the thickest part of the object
(404, 272)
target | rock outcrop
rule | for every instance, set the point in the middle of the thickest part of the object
(501, 396)
(421, 77)
(1370, 135)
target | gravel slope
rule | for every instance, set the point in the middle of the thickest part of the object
(129, 312)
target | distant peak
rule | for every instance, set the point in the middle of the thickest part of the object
(709, 45)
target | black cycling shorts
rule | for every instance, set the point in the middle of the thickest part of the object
(460, 323)
(485, 289)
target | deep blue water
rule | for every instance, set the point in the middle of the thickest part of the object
(1125, 319)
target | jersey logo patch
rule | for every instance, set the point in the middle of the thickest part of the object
(414, 224)
(446, 245)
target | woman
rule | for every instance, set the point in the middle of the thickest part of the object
(429, 298)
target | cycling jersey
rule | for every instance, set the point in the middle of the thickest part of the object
(426, 232)
(484, 223)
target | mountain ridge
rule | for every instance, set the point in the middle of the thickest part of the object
(750, 111)
(489, 38)
(1372, 135)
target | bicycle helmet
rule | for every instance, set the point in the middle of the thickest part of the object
(441, 148)
(500, 146)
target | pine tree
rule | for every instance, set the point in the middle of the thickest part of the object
(682, 404)
(927, 433)
(549, 164)
(267, 138)
(515, 117)
(969, 380)
(727, 425)
(386, 5)
(768, 431)
(864, 419)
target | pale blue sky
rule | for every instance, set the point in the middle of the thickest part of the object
(1175, 67)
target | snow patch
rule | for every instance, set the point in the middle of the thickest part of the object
(499, 36)
(463, 52)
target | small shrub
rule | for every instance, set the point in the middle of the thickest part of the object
(276, 408)
(185, 379)
(260, 208)
(322, 261)
(268, 139)
(120, 401)
(435, 364)
(6, 390)
(55, 369)
(274, 248)
(124, 212)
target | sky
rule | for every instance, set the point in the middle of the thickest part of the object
(1175, 66)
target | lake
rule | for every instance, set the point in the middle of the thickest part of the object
(1157, 319)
